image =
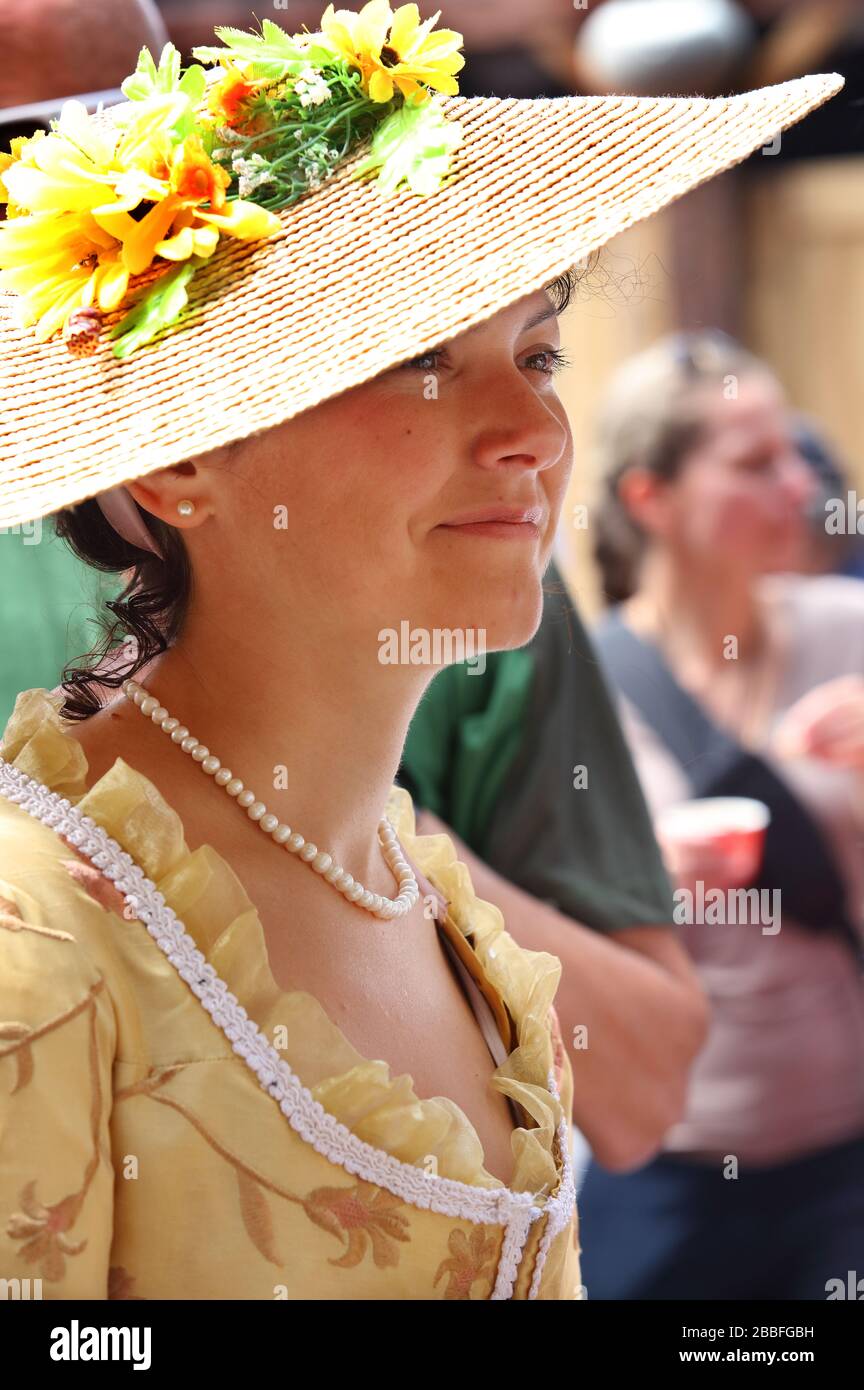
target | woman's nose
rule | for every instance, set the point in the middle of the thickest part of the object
(521, 428)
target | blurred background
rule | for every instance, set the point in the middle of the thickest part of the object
(771, 252)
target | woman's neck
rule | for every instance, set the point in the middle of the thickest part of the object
(315, 729)
(696, 614)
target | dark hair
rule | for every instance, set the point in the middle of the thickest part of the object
(153, 606)
(653, 415)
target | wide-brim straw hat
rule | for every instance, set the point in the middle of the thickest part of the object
(356, 281)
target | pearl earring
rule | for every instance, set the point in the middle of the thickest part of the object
(185, 508)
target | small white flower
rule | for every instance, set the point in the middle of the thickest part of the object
(253, 172)
(243, 165)
(311, 87)
(248, 183)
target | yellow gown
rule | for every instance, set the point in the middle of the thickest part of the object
(142, 1156)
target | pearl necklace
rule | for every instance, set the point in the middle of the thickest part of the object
(282, 834)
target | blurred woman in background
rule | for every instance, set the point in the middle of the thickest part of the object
(739, 677)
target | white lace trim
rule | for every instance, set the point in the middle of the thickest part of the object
(515, 1211)
(564, 1203)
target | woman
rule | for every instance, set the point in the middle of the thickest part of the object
(306, 497)
(738, 676)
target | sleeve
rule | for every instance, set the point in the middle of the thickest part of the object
(571, 826)
(463, 738)
(57, 1044)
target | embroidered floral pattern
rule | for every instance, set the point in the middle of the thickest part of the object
(100, 889)
(471, 1258)
(366, 1218)
(44, 1229)
(11, 920)
(120, 1283)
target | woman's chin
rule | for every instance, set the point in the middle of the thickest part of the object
(501, 622)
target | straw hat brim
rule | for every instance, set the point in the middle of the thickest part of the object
(356, 282)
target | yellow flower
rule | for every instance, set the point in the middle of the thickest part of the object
(18, 150)
(5, 161)
(393, 49)
(57, 263)
(74, 242)
(81, 165)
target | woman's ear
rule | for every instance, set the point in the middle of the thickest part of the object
(645, 498)
(160, 491)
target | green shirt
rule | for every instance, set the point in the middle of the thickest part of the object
(527, 763)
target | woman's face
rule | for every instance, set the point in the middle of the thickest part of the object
(739, 500)
(361, 508)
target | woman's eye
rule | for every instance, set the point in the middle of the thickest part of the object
(418, 361)
(556, 357)
(758, 463)
(556, 360)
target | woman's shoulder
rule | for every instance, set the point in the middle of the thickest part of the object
(53, 900)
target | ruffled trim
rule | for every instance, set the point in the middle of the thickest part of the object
(210, 900)
(527, 981)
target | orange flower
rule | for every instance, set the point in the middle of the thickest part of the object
(194, 176)
(226, 96)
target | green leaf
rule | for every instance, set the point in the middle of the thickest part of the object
(149, 80)
(271, 45)
(141, 83)
(160, 305)
(412, 144)
(278, 40)
(168, 71)
(273, 53)
(193, 83)
(321, 57)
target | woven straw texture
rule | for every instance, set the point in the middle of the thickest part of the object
(357, 282)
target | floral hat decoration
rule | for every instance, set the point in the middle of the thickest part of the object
(89, 208)
(293, 214)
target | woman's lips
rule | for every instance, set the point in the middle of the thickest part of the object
(503, 523)
(503, 530)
